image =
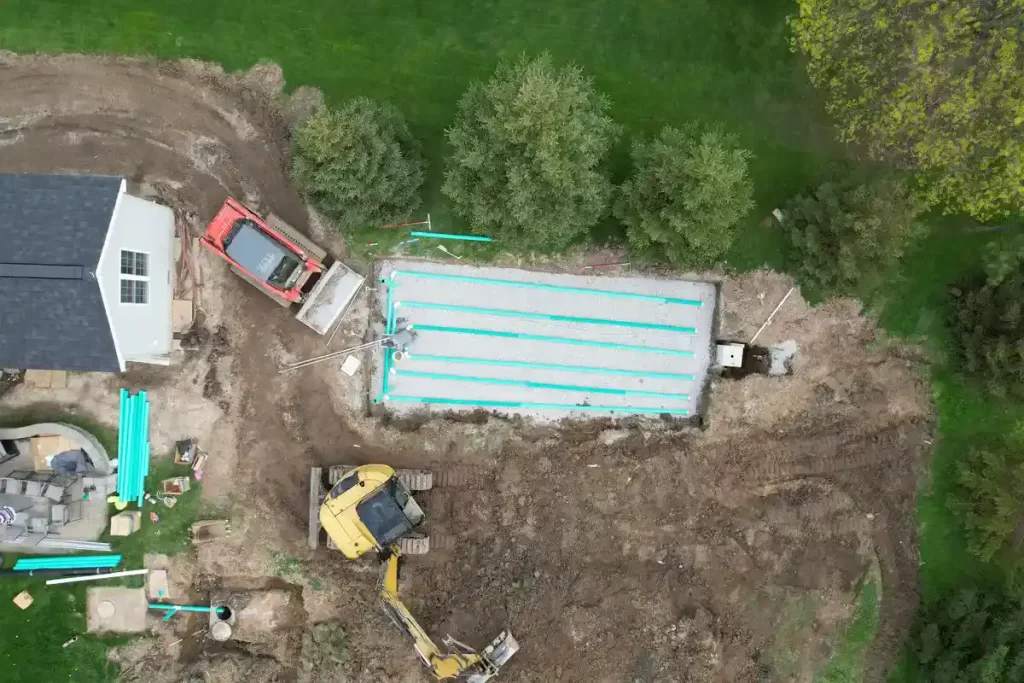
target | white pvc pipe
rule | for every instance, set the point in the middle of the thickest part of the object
(97, 577)
(769, 320)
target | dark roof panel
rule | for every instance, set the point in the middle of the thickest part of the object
(55, 220)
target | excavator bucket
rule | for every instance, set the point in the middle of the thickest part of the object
(494, 657)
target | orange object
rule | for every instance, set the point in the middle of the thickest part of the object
(260, 253)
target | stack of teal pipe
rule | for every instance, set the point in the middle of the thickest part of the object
(133, 447)
(68, 562)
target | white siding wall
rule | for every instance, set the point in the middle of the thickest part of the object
(142, 332)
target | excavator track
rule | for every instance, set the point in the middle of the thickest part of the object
(460, 476)
(416, 480)
(414, 545)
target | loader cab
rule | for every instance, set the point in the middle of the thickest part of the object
(261, 255)
(369, 509)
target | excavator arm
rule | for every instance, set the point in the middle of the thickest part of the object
(462, 661)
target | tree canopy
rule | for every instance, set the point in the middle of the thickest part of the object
(986, 317)
(528, 148)
(936, 86)
(359, 164)
(688, 191)
(844, 236)
(971, 638)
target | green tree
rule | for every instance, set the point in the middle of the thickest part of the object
(990, 499)
(688, 191)
(971, 638)
(527, 153)
(845, 236)
(934, 86)
(359, 164)
(986, 317)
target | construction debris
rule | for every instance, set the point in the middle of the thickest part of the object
(23, 599)
(125, 523)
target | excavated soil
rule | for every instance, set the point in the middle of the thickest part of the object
(616, 552)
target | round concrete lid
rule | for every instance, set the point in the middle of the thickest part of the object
(106, 609)
(220, 631)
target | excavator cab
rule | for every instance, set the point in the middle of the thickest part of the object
(369, 508)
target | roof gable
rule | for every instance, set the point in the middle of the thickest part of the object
(52, 232)
(55, 219)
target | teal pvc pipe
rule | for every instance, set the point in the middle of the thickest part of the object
(542, 406)
(122, 431)
(542, 337)
(539, 385)
(549, 366)
(144, 445)
(180, 608)
(136, 464)
(447, 236)
(68, 562)
(387, 330)
(541, 285)
(546, 316)
(129, 457)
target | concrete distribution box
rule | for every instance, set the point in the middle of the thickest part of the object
(125, 523)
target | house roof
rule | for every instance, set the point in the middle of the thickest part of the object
(54, 318)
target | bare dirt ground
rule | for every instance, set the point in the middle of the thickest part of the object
(617, 552)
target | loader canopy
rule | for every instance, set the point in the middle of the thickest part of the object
(260, 254)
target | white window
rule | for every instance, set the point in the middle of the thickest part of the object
(134, 277)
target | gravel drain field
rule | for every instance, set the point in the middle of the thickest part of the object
(543, 345)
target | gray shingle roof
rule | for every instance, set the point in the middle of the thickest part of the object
(55, 324)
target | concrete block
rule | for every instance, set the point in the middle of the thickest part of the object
(181, 315)
(157, 586)
(38, 378)
(116, 610)
(350, 365)
(125, 523)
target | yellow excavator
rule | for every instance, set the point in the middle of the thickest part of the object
(371, 508)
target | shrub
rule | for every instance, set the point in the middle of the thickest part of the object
(844, 236)
(359, 164)
(971, 637)
(990, 499)
(986, 317)
(688, 191)
(527, 154)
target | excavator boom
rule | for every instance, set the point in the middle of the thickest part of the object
(462, 662)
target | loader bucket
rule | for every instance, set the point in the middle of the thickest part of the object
(333, 293)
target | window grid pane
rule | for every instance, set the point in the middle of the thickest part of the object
(134, 291)
(127, 262)
(141, 264)
(141, 291)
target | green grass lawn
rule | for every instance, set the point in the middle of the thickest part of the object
(659, 61)
(847, 664)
